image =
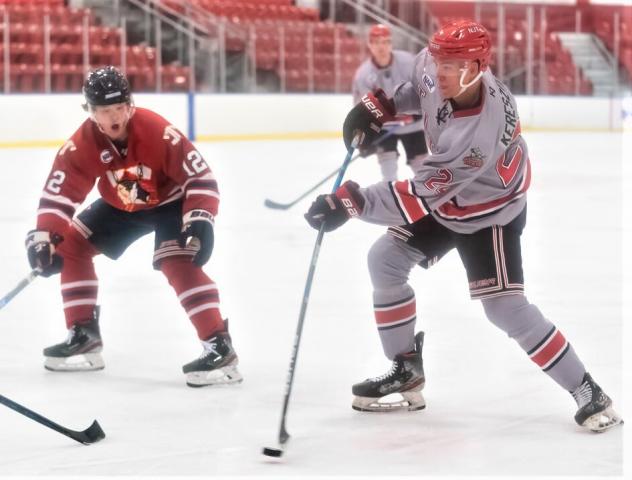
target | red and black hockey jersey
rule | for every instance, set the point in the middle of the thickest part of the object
(158, 165)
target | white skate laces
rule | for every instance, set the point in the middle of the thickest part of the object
(583, 394)
(210, 348)
(71, 334)
(384, 376)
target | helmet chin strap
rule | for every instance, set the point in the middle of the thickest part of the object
(470, 83)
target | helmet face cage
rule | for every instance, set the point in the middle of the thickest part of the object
(462, 40)
(106, 86)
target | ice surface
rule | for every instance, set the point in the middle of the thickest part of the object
(490, 410)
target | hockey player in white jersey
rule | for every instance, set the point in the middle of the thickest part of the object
(385, 69)
(470, 195)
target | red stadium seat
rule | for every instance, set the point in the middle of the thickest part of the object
(66, 54)
(28, 78)
(66, 78)
(175, 78)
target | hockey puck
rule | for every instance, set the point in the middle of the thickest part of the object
(272, 452)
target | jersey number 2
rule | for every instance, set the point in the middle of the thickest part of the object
(508, 168)
(56, 179)
(440, 182)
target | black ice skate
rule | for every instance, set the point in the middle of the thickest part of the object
(216, 366)
(81, 351)
(595, 407)
(406, 377)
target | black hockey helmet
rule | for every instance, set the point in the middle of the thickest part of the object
(106, 86)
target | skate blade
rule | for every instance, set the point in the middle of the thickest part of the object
(411, 401)
(221, 376)
(602, 421)
(85, 362)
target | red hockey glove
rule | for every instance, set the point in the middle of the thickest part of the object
(334, 210)
(40, 249)
(367, 118)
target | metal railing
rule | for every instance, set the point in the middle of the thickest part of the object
(254, 56)
(524, 35)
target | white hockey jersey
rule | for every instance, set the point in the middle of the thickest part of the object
(478, 172)
(370, 77)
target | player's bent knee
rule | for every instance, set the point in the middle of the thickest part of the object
(382, 263)
(515, 315)
(76, 246)
(177, 265)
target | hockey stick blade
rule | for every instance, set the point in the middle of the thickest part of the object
(276, 205)
(90, 435)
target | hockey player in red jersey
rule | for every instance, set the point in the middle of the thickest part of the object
(151, 179)
(469, 195)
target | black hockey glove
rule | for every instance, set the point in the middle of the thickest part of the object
(40, 249)
(198, 225)
(367, 118)
(334, 210)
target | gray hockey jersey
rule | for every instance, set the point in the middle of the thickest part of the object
(369, 77)
(478, 171)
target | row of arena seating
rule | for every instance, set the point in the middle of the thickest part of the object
(28, 78)
(33, 33)
(58, 15)
(296, 34)
(331, 44)
(333, 47)
(244, 10)
(297, 38)
(72, 54)
(320, 62)
(66, 35)
(37, 3)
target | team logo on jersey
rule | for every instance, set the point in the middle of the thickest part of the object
(428, 82)
(106, 156)
(133, 185)
(442, 114)
(475, 158)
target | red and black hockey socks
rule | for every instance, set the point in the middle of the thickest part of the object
(197, 294)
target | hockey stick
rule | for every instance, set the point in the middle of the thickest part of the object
(90, 435)
(285, 206)
(389, 132)
(284, 436)
(19, 287)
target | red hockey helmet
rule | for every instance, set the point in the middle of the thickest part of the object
(462, 39)
(379, 30)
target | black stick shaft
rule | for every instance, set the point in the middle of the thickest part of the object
(283, 435)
